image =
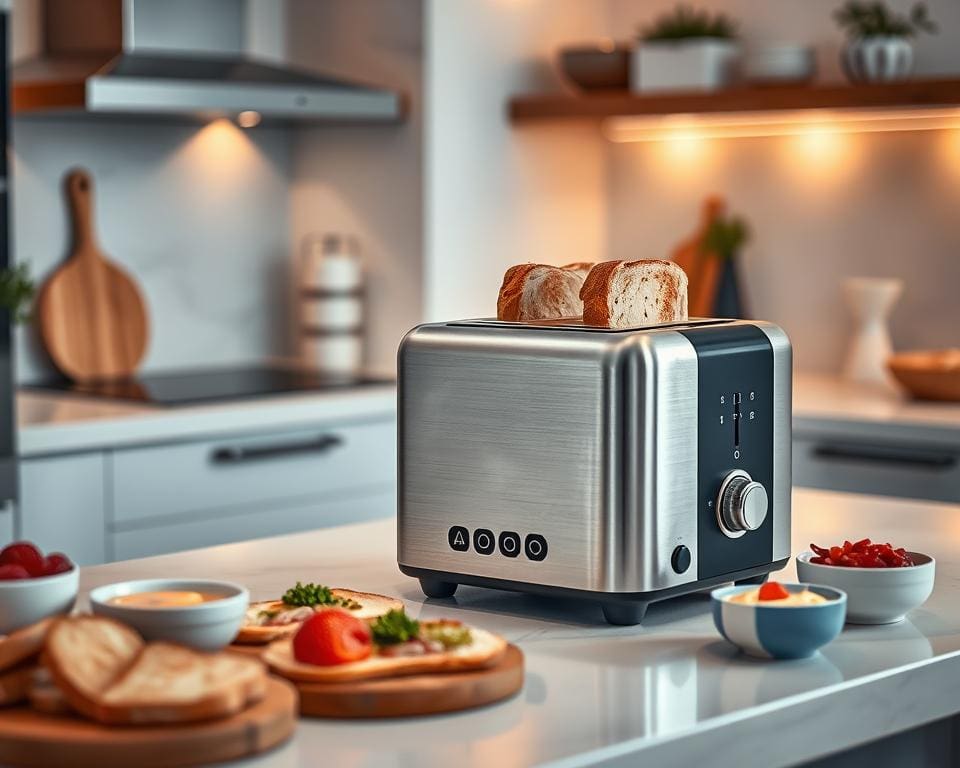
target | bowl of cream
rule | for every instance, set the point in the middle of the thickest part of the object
(779, 621)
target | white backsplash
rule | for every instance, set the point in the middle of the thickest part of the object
(199, 215)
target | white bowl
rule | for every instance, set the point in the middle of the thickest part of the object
(27, 601)
(874, 595)
(206, 626)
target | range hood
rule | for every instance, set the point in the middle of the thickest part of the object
(179, 59)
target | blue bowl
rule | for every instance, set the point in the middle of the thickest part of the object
(772, 631)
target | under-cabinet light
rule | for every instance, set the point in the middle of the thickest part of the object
(248, 119)
(739, 125)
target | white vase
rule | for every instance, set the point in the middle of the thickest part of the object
(698, 64)
(870, 301)
(878, 59)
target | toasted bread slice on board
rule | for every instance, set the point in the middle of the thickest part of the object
(172, 684)
(23, 644)
(15, 683)
(43, 694)
(86, 655)
(485, 650)
(254, 633)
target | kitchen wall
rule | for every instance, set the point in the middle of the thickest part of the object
(822, 207)
(199, 215)
(366, 180)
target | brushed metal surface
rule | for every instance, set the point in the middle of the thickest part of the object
(782, 437)
(587, 439)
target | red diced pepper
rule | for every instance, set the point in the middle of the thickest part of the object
(836, 553)
(820, 560)
(822, 551)
(773, 590)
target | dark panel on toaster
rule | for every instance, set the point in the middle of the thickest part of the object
(735, 414)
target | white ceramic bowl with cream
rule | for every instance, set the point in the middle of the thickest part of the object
(208, 621)
(874, 595)
(27, 601)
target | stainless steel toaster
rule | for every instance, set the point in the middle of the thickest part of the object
(621, 466)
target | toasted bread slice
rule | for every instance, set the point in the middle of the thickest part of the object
(170, 683)
(23, 644)
(626, 294)
(485, 650)
(15, 683)
(252, 633)
(86, 655)
(44, 695)
(539, 292)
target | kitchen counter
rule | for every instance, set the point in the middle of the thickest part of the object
(829, 405)
(671, 692)
(57, 423)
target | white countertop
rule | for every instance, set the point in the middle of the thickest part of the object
(829, 405)
(670, 692)
(57, 423)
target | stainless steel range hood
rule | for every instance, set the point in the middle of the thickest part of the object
(176, 58)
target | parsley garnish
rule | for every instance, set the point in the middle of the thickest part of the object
(393, 628)
(316, 594)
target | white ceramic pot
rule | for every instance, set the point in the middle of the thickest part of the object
(698, 64)
(870, 301)
(878, 59)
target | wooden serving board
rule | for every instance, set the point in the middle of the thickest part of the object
(415, 694)
(29, 738)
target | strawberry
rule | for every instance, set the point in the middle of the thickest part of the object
(56, 562)
(773, 590)
(10, 571)
(24, 554)
(332, 637)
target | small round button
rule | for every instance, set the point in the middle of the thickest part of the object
(680, 559)
(484, 541)
(458, 538)
(535, 546)
(509, 544)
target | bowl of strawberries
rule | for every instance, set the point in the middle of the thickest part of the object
(883, 583)
(34, 586)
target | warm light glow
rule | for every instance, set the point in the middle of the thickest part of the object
(820, 154)
(735, 125)
(950, 149)
(223, 153)
(248, 119)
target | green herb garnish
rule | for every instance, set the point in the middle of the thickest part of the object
(317, 594)
(449, 636)
(394, 627)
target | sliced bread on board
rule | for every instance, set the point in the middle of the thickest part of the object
(627, 294)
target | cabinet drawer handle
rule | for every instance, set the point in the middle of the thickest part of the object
(238, 454)
(887, 456)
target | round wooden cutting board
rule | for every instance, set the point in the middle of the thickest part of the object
(92, 317)
(415, 694)
(29, 738)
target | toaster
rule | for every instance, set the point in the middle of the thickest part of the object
(623, 466)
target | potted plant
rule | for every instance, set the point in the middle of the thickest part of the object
(723, 240)
(686, 49)
(17, 290)
(878, 40)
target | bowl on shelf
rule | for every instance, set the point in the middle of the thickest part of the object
(928, 374)
(771, 630)
(874, 595)
(779, 64)
(597, 67)
(27, 601)
(203, 614)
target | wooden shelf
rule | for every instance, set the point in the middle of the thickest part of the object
(912, 94)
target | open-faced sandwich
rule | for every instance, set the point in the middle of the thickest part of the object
(334, 646)
(274, 619)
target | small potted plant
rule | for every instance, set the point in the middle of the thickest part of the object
(17, 290)
(723, 240)
(878, 40)
(686, 49)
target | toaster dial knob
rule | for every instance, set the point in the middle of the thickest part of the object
(742, 505)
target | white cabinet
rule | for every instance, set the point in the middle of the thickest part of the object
(62, 504)
(140, 501)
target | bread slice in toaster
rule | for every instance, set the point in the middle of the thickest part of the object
(539, 292)
(626, 294)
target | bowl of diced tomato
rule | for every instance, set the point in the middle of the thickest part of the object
(883, 582)
(34, 585)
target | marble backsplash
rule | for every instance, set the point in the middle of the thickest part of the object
(198, 214)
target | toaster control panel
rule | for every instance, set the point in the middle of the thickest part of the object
(735, 448)
(483, 541)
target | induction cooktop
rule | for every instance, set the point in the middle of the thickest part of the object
(211, 385)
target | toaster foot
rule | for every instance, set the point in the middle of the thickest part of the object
(436, 588)
(624, 613)
(753, 580)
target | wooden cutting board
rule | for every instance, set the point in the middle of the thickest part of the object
(29, 738)
(415, 694)
(92, 317)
